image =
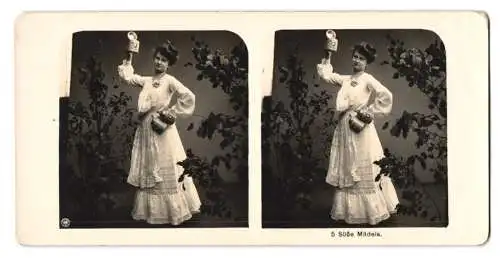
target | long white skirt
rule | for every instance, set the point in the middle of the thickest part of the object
(353, 201)
(158, 204)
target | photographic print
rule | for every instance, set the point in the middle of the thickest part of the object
(355, 132)
(154, 131)
(310, 128)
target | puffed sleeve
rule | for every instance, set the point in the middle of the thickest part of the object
(185, 99)
(126, 73)
(325, 72)
(382, 104)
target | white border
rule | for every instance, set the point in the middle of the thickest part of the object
(38, 89)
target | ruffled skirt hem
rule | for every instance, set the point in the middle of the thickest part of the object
(356, 208)
(162, 208)
(371, 221)
(160, 221)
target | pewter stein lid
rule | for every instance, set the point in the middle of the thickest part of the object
(330, 34)
(132, 35)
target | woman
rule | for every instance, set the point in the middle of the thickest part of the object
(160, 198)
(358, 198)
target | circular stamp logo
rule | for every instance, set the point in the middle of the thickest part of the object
(65, 222)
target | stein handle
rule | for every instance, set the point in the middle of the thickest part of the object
(129, 56)
(328, 55)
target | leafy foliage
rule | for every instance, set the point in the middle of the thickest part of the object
(229, 73)
(413, 193)
(207, 175)
(94, 129)
(425, 70)
(291, 168)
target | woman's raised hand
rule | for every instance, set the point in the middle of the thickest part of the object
(328, 55)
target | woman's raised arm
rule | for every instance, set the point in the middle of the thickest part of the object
(126, 73)
(325, 72)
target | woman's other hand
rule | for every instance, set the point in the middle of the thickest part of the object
(365, 116)
(167, 116)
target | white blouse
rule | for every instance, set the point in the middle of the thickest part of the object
(157, 92)
(355, 90)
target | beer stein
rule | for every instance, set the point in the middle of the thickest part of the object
(331, 43)
(359, 121)
(133, 43)
(161, 121)
(158, 124)
(356, 125)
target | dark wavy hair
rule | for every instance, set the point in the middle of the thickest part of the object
(169, 51)
(366, 50)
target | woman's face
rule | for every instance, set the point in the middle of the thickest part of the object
(160, 63)
(358, 61)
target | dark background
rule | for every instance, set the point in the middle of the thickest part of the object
(99, 118)
(295, 158)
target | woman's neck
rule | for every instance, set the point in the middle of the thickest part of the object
(159, 74)
(357, 72)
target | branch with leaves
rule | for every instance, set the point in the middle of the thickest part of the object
(425, 70)
(93, 130)
(289, 134)
(229, 73)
